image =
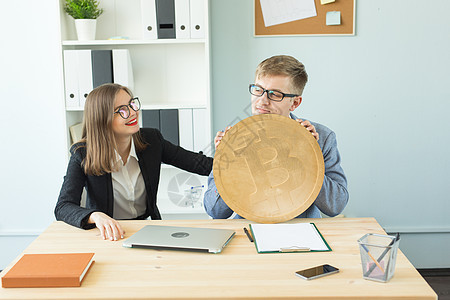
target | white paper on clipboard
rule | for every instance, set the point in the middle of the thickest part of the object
(275, 237)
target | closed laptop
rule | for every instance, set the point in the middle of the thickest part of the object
(180, 238)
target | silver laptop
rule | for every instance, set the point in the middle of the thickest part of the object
(180, 238)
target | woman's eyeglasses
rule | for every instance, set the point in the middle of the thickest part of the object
(124, 110)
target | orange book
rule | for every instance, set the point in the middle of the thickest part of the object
(48, 270)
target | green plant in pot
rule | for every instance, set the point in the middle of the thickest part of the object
(85, 13)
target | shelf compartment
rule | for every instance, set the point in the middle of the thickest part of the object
(132, 42)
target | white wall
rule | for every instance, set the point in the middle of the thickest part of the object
(32, 130)
(383, 91)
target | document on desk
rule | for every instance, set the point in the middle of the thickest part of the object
(300, 237)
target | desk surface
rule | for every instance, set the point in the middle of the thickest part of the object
(238, 272)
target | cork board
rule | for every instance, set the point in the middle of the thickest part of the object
(311, 26)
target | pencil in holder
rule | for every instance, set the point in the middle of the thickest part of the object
(378, 256)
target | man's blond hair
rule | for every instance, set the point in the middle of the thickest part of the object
(284, 65)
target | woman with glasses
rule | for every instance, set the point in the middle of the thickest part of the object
(118, 164)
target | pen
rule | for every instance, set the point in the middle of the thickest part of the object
(397, 237)
(373, 258)
(248, 235)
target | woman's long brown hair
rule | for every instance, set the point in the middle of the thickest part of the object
(98, 135)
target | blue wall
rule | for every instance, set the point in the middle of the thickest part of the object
(383, 91)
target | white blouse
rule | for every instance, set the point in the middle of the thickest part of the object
(129, 187)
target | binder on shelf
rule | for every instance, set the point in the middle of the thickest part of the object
(168, 122)
(186, 128)
(84, 70)
(102, 69)
(122, 68)
(148, 14)
(165, 18)
(182, 21)
(197, 16)
(150, 118)
(299, 237)
(85, 84)
(71, 78)
(48, 270)
(201, 140)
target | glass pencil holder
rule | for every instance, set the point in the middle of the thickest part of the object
(378, 256)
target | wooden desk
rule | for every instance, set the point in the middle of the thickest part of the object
(238, 272)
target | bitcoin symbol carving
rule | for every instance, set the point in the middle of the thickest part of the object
(271, 167)
(268, 168)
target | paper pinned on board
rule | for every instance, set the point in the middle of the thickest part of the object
(333, 18)
(282, 11)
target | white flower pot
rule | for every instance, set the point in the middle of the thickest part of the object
(86, 29)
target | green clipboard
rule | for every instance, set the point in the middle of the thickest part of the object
(284, 238)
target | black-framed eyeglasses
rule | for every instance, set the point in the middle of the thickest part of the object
(277, 96)
(124, 110)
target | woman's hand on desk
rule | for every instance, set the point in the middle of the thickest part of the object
(109, 228)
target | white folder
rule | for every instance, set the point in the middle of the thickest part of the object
(71, 78)
(197, 12)
(186, 128)
(182, 21)
(122, 68)
(85, 84)
(148, 13)
(201, 139)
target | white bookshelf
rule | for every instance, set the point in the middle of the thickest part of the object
(168, 74)
(157, 106)
(132, 42)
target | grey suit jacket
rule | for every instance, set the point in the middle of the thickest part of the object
(332, 198)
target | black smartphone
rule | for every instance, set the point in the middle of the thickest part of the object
(317, 272)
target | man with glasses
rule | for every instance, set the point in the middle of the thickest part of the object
(278, 88)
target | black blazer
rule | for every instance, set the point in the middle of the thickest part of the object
(99, 189)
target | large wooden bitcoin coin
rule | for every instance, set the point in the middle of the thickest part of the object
(268, 168)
